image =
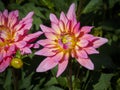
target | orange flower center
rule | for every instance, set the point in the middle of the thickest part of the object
(67, 41)
(6, 36)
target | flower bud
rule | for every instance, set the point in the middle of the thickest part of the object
(16, 63)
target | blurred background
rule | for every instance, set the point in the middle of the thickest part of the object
(104, 15)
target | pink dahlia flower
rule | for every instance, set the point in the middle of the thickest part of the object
(14, 36)
(66, 39)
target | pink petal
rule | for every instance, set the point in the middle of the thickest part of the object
(4, 64)
(51, 36)
(58, 56)
(45, 28)
(11, 50)
(2, 19)
(53, 18)
(12, 18)
(25, 50)
(46, 65)
(63, 18)
(32, 36)
(45, 42)
(5, 13)
(83, 43)
(36, 45)
(99, 42)
(86, 29)
(27, 26)
(29, 16)
(86, 62)
(1, 56)
(76, 28)
(81, 54)
(91, 50)
(71, 12)
(20, 44)
(27, 21)
(56, 28)
(45, 52)
(88, 37)
(62, 65)
(61, 26)
(13, 14)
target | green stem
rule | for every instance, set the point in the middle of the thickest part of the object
(15, 79)
(70, 75)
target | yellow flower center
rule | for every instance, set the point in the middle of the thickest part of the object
(67, 41)
(6, 36)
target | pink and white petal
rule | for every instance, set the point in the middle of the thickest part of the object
(1, 56)
(56, 28)
(76, 28)
(45, 28)
(4, 64)
(5, 13)
(71, 12)
(62, 26)
(68, 26)
(46, 65)
(33, 36)
(51, 36)
(53, 18)
(36, 45)
(29, 16)
(13, 14)
(26, 26)
(45, 42)
(62, 65)
(45, 52)
(21, 44)
(11, 50)
(91, 50)
(81, 54)
(25, 50)
(63, 18)
(86, 62)
(2, 20)
(88, 37)
(58, 56)
(86, 29)
(26, 22)
(18, 27)
(83, 43)
(12, 18)
(99, 42)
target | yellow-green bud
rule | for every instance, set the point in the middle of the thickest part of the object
(16, 63)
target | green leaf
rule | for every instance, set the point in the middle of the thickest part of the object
(112, 3)
(53, 88)
(1, 6)
(52, 81)
(8, 80)
(102, 60)
(93, 5)
(104, 82)
(25, 82)
(37, 87)
(62, 81)
(48, 3)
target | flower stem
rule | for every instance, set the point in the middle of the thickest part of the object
(70, 75)
(15, 79)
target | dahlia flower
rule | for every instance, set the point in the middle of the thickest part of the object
(65, 39)
(14, 36)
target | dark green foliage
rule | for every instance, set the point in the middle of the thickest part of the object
(104, 15)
